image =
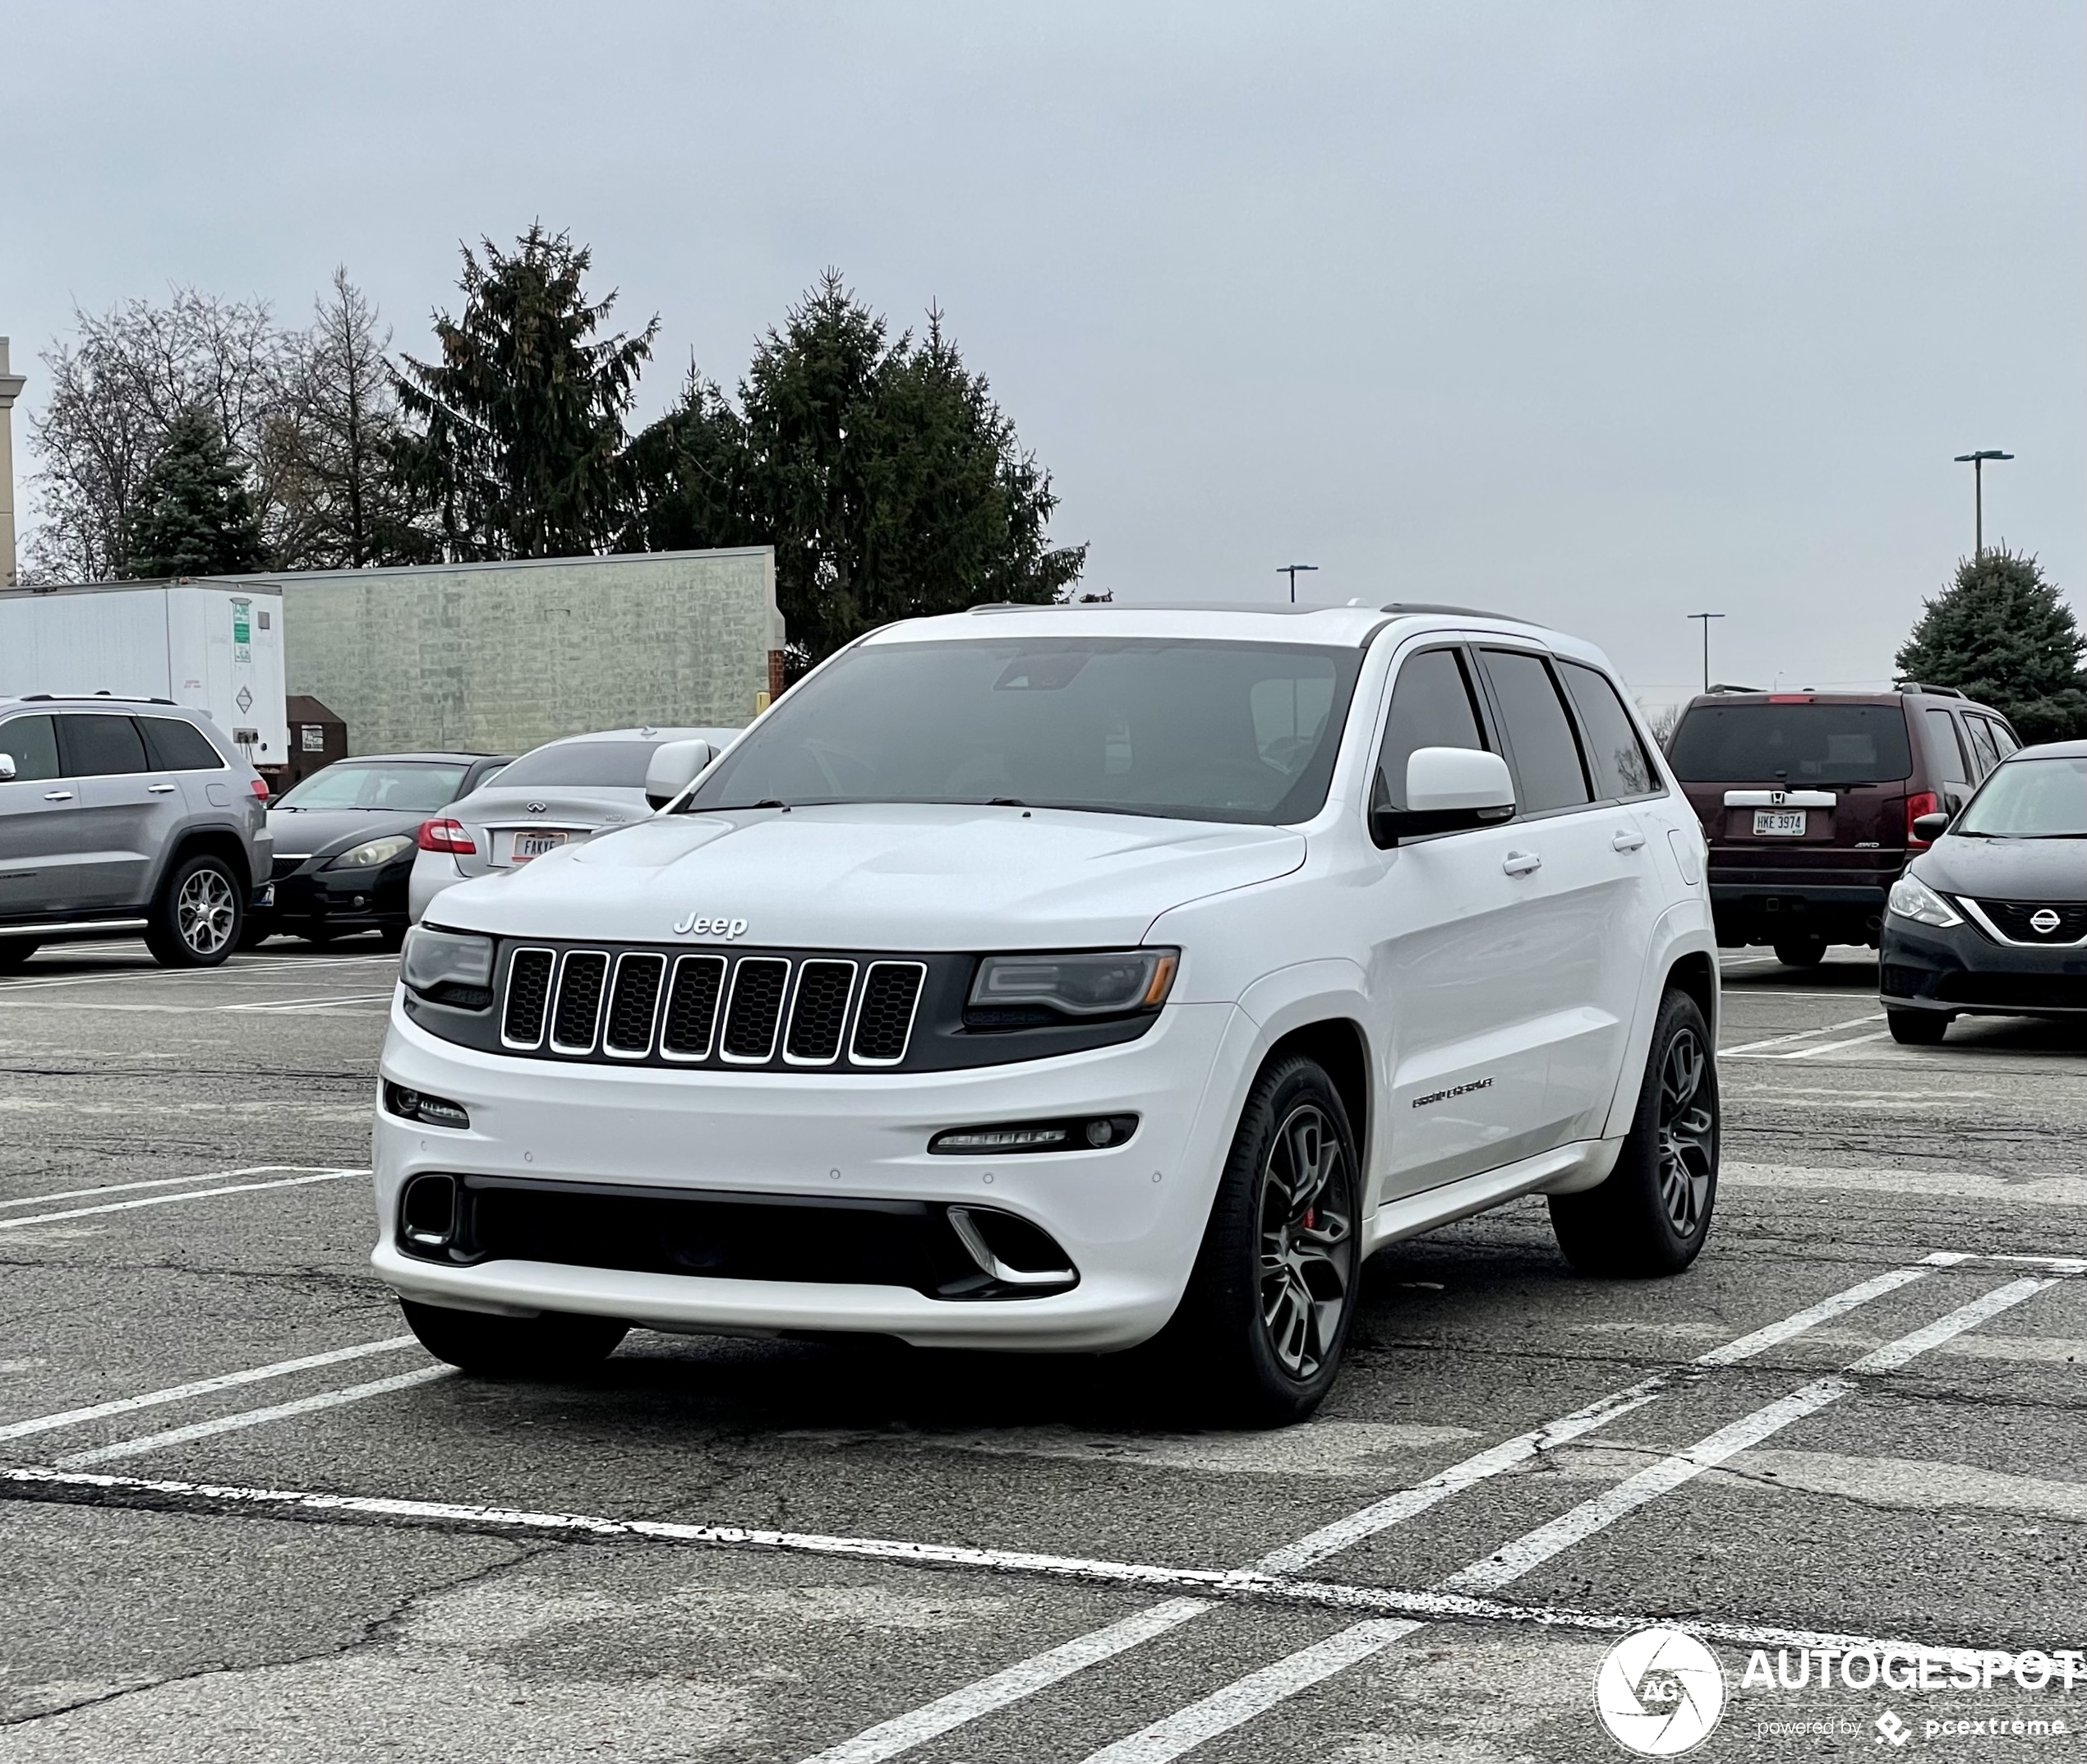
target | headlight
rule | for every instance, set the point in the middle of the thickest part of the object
(1912, 898)
(1012, 991)
(448, 967)
(372, 852)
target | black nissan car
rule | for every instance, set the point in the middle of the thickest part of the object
(344, 842)
(1992, 919)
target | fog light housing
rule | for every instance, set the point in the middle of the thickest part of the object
(430, 1111)
(427, 1213)
(1021, 1138)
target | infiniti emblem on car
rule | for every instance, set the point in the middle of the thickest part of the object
(535, 807)
(2044, 923)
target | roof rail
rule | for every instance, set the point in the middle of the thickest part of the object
(1937, 692)
(114, 697)
(1468, 612)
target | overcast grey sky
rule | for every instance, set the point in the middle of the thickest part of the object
(1602, 312)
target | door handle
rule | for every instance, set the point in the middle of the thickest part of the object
(1626, 840)
(1522, 863)
(58, 796)
(167, 790)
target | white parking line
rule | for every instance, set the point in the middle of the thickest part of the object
(169, 1181)
(164, 1494)
(1802, 1034)
(1831, 1046)
(166, 1200)
(1394, 1510)
(902, 1733)
(264, 964)
(325, 1399)
(201, 1387)
(327, 1002)
(1256, 1692)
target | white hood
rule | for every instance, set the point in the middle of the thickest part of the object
(878, 877)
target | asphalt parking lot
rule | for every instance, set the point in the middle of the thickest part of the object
(247, 1519)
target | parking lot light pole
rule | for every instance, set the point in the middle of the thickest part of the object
(1705, 617)
(1977, 462)
(1291, 571)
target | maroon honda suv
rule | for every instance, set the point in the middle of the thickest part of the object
(1808, 801)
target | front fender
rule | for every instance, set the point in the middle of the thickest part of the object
(1683, 929)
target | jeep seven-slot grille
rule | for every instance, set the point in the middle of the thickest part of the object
(753, 1010)
(528, 995)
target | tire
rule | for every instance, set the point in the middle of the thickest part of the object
(14, 951)
(197, 920)
(259, 928)
(1917, 1029)
(1259, 1340)
(555, 1343)
(1801, 953)
(1650, 1217)
(391, 939)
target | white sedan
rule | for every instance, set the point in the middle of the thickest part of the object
(557, 794)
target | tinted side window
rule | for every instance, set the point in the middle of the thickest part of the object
(32, 745)
(1622, 767)
(1942, 729)
(1539, 737)
(1431, 706)
(100, 746)
(2007, 743)
(172, 745)
(1984, 754)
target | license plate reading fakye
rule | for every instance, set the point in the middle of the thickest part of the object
(528, 846)
(1786, 823)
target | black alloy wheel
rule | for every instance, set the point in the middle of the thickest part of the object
(1261, 1329)
(1653, 1214)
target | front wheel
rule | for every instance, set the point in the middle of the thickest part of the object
(545, 1346)
(1650, 1217)
(1265, 1320)
(1916, 1028)
(197, 919)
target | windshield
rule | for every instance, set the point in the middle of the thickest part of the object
(408, 789)
(1801, 744)
(2029, 799)
(607, 764)
(1195, 731)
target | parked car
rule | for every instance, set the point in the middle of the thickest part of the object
(1057, 978)
(123, 815)
(1992, 920)
(344, 841)
(1807, 800)
(555, 795)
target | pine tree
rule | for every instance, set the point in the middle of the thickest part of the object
(517, 432)
(887, 479)
(2001, 633)
(195, 516)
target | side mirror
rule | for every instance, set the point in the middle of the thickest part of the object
(672, 769)
(7, 767)
(1927, 828)
(1447, 790)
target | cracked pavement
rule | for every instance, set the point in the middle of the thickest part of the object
(1947, 1501)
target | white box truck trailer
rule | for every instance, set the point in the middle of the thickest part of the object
(218, 649)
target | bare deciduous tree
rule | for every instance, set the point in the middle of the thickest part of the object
(344, 507)
(115, 392)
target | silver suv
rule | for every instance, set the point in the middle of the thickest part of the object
(125, 815)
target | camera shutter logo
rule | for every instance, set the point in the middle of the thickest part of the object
(1660, 1692)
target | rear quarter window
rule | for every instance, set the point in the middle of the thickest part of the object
(1792, 744)
(172, 745)
(1622, 767)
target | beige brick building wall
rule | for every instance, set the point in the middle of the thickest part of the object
(499, 657)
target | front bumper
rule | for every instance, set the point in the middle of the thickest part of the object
(1958, 969)
(313, 898)
(1130, 1217)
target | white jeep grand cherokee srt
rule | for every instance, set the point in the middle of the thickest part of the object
(1064, 978)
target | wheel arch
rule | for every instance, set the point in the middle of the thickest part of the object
(1339, 1045)
(208, 841)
